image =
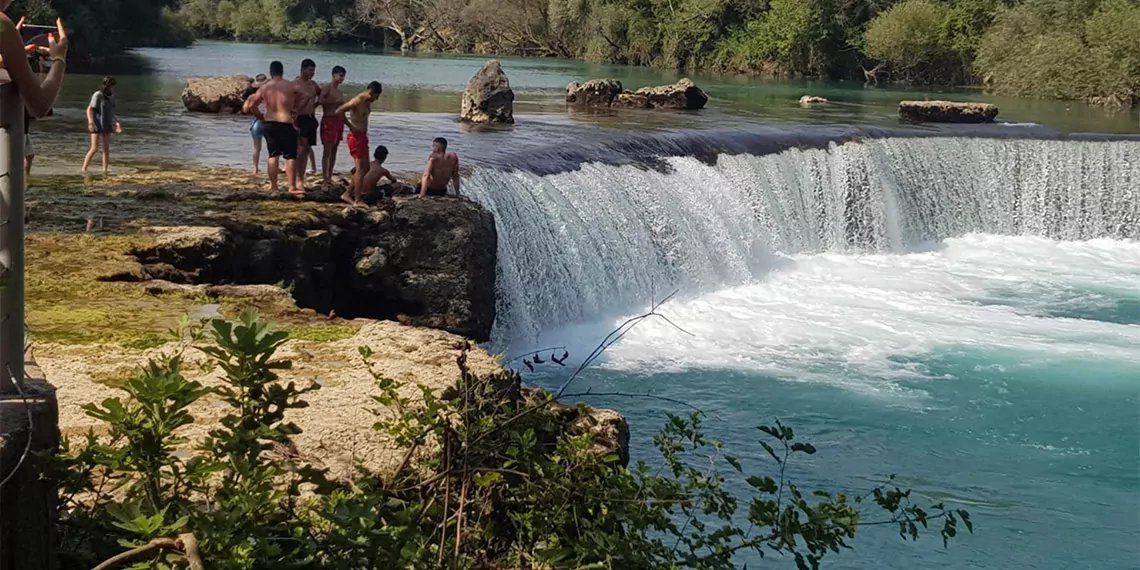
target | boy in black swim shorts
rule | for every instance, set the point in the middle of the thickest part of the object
(281, 140)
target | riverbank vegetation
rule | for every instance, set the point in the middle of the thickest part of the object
(1068, 49)
(492, 476)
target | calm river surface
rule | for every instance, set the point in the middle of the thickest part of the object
(421, 101)
(963, 311)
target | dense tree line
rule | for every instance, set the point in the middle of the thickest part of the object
(104, 27)
(1072, 49)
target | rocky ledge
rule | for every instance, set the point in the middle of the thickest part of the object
(422, 262)
(684, 95)
(947, 112)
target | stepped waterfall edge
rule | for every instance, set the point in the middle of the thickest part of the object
(605, 235)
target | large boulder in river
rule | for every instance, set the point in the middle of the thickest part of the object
(947, 112)
(609, 93)
(593, 93)
(488, 97)
(217, 94)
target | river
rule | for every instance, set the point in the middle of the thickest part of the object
(959, 306)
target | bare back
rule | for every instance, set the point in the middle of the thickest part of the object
(308, 91)
(280, 97)
(442, 168)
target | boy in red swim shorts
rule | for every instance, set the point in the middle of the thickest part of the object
(332, 124)
(356, 112)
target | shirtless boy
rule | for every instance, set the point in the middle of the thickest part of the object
(442, 167)
(332, 124)
(280, 98)
(358, 109)
(308, 92)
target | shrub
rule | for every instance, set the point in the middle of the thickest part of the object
(508, 480)
(909, 37)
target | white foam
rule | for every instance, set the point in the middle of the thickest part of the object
(841, 318)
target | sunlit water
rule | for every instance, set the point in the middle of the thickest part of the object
(961, 311)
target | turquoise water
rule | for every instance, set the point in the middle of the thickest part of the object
(962, 312)
(1024, 412)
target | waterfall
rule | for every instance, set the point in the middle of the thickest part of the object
(609, 234)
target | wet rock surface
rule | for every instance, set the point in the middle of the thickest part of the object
(217, 94)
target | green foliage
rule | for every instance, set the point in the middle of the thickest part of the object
(493, 475)
(909, 36)
(103, 27)
(1066, 49)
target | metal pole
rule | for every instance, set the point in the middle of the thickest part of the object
(11, 236)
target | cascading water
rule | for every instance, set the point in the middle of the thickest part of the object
(607, 235)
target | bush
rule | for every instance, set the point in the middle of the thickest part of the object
(1067, 50)
(493, 476)
(909, 37)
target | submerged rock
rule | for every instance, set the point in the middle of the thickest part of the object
(947, 112)
(488, 97)
(811, 99)
(683, 95)
(423, 262)
(224, 94)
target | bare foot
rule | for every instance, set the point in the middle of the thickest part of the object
(296, 192)
(347, 199)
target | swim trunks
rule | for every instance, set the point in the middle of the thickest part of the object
(281, 140)
(308, 125)
(332, 130)
(358, 146)
(257, 129)
(437, 191)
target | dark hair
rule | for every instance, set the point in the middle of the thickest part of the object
(375, 87)
(108, 83)
(276, 69)
(338, 70)
(442, 142)
(381, 153)
(308, 63)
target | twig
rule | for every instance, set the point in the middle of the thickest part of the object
(190, 547)
(405, 461)
(31, 428)
(156, 544)
(459, 523)
(534, 352)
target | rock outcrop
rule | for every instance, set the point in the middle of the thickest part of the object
(488, 97)
(423, 262)
(811, 99)
(217, 94)
(684, 95)
(947, 112)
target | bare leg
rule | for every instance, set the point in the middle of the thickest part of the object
(106, 153)
(312, 159)
(256, 156)
(273, 170)
(361, 172)
(291, 175)
(303, 161)
(350, 195)
(28, 169)
(91, 153)
(327, 160)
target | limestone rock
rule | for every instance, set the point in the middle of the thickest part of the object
(593, 93)
(609, 429)
(488, 97)
(947, 112)
(217, 94)
(424, 262)
(811, 99)
(683, 95)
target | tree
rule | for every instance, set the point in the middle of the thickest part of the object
(909, 37)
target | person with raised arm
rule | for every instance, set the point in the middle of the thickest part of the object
(39, 95)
